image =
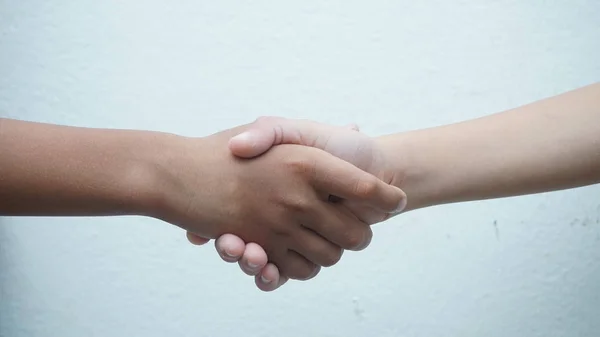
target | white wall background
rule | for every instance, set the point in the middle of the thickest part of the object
(515, 267)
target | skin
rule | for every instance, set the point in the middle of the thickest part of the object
(279, 201)
(455, 163)
(549, 145)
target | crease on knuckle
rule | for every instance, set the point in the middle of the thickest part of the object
(366, 188)
(273, 123)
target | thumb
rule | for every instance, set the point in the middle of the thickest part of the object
(267, 132)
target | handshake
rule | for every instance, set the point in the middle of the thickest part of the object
(286, 197)
(282, 197)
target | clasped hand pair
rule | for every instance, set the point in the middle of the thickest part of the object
(296, 193)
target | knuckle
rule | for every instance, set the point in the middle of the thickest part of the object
(264, 119)
(308, 273)
(366, 188)
(268, 120)
(302, 272)
(354, 240)
(332, 258)
(368, 236)
(302, 166)
(298, 204)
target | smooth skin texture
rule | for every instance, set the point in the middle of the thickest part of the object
(343, 142)
(280, 200)
(549, 145)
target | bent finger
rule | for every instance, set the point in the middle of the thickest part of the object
(195, 239)
(230, 247)
(253, 260)
(269, 278)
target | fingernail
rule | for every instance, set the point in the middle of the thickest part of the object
(264, 280)
(400, 207)
(252, 265)
(229, 254)
(244, 136)
(246, 139)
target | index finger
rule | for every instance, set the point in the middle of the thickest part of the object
(344, 180)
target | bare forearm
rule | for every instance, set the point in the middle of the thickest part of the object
(58, 170)
(544, 146)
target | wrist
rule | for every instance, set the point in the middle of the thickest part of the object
(179, 182)
(411, 158)
(151, 176)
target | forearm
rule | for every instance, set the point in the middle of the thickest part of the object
(548, 145)
(58, 170)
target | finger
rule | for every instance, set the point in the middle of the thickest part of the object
(364, 213)
(269, 278)
(336, 224)
(267, 132)
(264, 133)
(342, 179)
(297, 267)
(315, 248)
(195, 239)
(230, 247)
(252, 143)
(254, 259)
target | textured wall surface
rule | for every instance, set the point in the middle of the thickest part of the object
(523, 267)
